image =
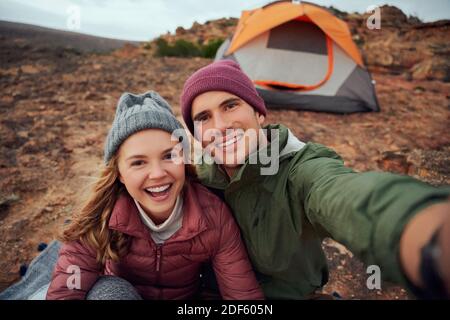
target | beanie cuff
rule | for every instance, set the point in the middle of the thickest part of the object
(137, 122)
(219, 83)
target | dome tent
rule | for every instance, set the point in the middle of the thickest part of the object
(300, 56)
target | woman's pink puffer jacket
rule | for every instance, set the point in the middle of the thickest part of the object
(170, 270)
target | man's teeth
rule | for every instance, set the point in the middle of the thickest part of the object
(159, 189)
(229, 142)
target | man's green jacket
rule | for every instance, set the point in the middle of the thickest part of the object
(284, 215)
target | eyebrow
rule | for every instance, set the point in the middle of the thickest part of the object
(140, 156)
(223, 103)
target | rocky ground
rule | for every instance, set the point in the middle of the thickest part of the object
(56, 106)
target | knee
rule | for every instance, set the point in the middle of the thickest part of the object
(112, 288)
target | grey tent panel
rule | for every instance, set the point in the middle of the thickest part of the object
(262, 63)
(293, 66)
(334, 104)
(220, 53)
(356, 87)
(298, 36)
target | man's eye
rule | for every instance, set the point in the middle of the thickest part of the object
(231, 106)
(201, 118)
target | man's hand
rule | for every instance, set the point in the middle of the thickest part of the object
(418, 233)
(444, 244)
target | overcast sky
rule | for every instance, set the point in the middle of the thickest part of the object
(145, 20)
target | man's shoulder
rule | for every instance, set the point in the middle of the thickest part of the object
(312, 151)
(297, 150)
(313, 161)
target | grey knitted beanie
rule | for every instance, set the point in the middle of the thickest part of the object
(139, 112)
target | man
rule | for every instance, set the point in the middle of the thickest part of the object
(285, 210)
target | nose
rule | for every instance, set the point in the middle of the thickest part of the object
(156, 172)
(221, 123)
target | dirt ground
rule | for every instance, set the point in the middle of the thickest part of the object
(56, 108)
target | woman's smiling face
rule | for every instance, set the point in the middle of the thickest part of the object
(152, 171)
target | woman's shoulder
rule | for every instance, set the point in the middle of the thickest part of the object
(212, 206)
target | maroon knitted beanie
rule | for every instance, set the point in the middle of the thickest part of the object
(223, 75)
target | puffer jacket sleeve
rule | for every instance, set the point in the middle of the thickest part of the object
(231, 264)
(75, 272)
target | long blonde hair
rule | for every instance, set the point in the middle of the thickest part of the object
(90, 224)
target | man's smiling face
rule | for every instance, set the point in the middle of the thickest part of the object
(227, 126)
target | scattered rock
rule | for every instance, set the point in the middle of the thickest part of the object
(18, 227)
(29, 69)
(5, 201)
(47, 209)
(394, 162)
(128, 51)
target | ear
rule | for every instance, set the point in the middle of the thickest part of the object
(118, 171)
(260, 117)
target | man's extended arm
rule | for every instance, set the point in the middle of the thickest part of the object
(367, 212)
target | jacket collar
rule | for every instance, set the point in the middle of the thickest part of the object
(125, 217)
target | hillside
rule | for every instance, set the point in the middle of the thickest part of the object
(32, 37)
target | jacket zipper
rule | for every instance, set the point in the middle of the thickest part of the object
(158, 267)
(158, 258)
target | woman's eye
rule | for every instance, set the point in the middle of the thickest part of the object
(168, 156)
(137, 163)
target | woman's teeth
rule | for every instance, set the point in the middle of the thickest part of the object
(159, 189)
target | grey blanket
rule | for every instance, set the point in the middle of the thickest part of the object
(34, 284)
